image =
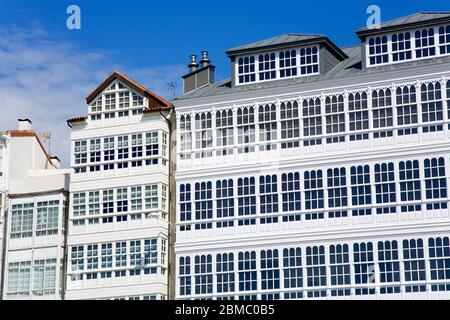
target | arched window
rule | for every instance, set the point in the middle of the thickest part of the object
(335, 118)
(267, 118)
(309, 60)
(267, 68)
(246, 70)
(358, 115)
(312, 121)
(382, 112)
(288, 63)
(290, 124)
(378, 50)
(203, 134)
(246, 129)
(444, 40)
(401, 47)
(432, 108)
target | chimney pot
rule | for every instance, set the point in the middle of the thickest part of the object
(24, 124)
(56, 162)
(204, 61)
(193, 65)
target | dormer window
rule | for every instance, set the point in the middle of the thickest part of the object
(278, 65)
(444, 40)
(408, 45)
(288, 63)
(267, 68)
(285, 56)
(378, 50)
(246, 69)
(425, 43)
(401, 46)
(309, 60)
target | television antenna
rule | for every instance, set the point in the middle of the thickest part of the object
(172, 86)
(46, 136)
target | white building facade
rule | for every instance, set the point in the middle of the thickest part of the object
(3, 139)
(119, 208)
(318, 171)
(35, 193)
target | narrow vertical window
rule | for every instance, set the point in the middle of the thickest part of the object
(290, 124)
(185, 137)
(246, 129)
(185, 276)
(444, 40)
(291, 196)
(293, 272)
(268, 191)
(358, 115)
(337, 192)
(385, 188)
(435, 183)
(225, 272)
(410, 190)
(316, 274)
(248, 277)
(382, 113)
(312, 121)
(203, 205)
(406, 110)
(361, 190)
(432, 109)
(340, 270)
(225, 202)
(389, 267)
(203, 135)
(267, 118)
(246, 201)
(225, 134)
(439, 253)
(314, 194)
(335, 118)
(270, 270)
(185, 206)
(414, 265)
(364, 268)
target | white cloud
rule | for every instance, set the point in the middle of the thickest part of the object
(47, 79)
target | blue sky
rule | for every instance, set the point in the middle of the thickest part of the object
(46, 70)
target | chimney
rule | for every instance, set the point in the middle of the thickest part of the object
(56, 162)
(198, 76)
(24, 125)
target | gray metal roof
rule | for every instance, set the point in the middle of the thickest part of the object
(278, 40)
(416, 18)
(344, 69)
